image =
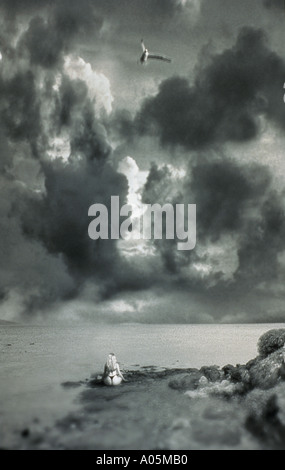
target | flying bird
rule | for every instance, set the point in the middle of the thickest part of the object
(146, 55)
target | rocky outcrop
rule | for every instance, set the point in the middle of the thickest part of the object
(212, 373)
(267, 372)
(254, 392)
(271, 341)
(262, 372)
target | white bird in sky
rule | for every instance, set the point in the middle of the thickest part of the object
(146, 55)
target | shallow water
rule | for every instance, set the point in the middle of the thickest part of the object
(36, 360)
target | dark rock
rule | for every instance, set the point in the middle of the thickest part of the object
(240, 375)
(212, 373)
(282, 371)
(263, 373)
(271, 341)
(266, 372)
(228, 370)
(252, 362)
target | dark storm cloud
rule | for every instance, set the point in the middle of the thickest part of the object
(239, 200)
(26, 269)
(47, 39)
(50, 227)
(73, 109)
(5, 152)
(229, 95)
(44, 45)
(60, 220)
(20, 106)
(24, 4)
(75, 12)
(232, 200)
(160, 188)
(132, 11)
(222, 191)
(12, 7)
(71, 15)
(159, 185)
(225, 102)
(275, 4)
(262, 242)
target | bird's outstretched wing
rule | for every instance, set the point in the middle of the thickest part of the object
(159, 57)
(143, 46)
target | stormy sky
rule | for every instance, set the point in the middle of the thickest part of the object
(81, 120)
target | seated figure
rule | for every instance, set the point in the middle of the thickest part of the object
(112, 374)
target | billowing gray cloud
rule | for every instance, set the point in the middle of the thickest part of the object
(223, 190)
(262, 242)
(51, 222)
(278, 4)
(240, 226)
(57, 158)
(46, 40)
(20, 106)
(225, 102)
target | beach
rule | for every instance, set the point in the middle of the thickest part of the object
(52, 396)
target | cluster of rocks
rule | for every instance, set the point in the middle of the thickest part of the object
(263, 373)
(256, 387)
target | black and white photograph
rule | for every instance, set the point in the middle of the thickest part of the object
(142, 226)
